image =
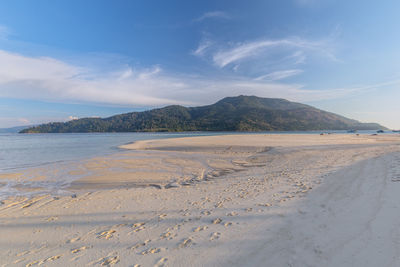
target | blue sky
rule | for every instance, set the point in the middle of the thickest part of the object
(61, 60)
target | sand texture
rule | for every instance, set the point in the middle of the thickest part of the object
(237, 200)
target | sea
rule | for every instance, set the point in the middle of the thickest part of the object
(19, 152)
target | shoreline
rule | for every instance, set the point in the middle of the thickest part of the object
(215, 201)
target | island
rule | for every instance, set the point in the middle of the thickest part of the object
(241, 113)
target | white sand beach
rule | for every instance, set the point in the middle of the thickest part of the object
(235, 200)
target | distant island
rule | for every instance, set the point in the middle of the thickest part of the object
(241, 113)
(15, 129)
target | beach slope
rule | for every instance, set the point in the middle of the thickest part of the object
(237, 200)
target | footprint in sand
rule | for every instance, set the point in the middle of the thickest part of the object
(161, 262)
(23, 253)
(205, 212)
(162, 216)
(217, 221)
(186, 243)
(138, 224)
(76, 250)
(219, 205)
(137, 230)
(227, 224)
(107, 234)
(53, 258)
(40, 262)
(137, 227)
(141, 244)
(214, 236)
(265, 204)
(51, 219)
(32, 263)
(200, 228)
(73, 240)
(167, 235)
(177, 227)
(152, 251)
(107, 261)
(19, 260)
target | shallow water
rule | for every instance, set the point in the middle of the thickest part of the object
(20, 151)
(52, 152)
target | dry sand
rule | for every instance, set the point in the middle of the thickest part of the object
(238, 200)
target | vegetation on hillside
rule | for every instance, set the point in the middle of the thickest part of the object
(242, 113)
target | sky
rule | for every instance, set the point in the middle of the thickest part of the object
(62, 60)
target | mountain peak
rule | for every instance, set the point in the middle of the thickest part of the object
(259, 102)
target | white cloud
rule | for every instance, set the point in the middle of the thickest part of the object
(72, 118)
(49, 79)
(254, 49)
(279, 75)
(213, 15)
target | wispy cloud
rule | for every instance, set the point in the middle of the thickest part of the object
(212, 15)
(299, 57)
(254, 49)
(50, 79)
(202, 48)
(279, 75)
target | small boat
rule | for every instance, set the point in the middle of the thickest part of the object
(351, 131)
(380, 131)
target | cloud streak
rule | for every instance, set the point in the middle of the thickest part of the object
(279, 75)
(212, 15)
(202, 48)
(241, 52)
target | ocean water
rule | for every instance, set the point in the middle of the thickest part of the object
(19, 152)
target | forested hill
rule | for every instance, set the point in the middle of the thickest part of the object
(242, 113)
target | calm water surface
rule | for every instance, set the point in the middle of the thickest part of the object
(18, 151)
(21, 152)
(24, 151)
